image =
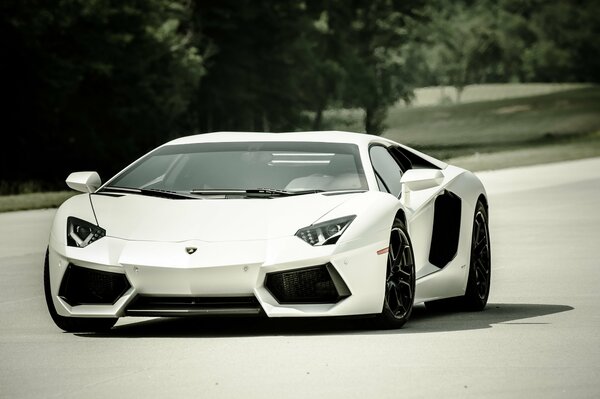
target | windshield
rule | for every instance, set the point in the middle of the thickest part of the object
(284, 166)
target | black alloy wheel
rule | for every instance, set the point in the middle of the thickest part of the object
(400, 279)
(480, 270)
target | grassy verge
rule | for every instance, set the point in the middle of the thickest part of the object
(496, 124)
(504, 133)
(564, 150)
(33, 200)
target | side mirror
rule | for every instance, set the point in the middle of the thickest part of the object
(421, 179)
(86, 182)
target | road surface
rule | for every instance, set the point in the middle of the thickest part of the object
(538, 338)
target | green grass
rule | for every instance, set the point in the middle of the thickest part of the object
(504, 133)
(578, 148)
(497, 125)
(34, 200)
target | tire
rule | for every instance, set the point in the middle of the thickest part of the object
(480, 268)
(480, 271)
(72, 324)
(399, 293)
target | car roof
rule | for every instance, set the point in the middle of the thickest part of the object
(318, 136)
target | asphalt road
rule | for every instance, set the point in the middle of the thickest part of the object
(538, 338)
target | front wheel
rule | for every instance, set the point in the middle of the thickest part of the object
(73, 324)
(400, 279)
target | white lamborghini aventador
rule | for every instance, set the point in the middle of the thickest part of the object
(283, 225)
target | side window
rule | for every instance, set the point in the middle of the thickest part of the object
(403, 161)
(387, 170)
(413, 159)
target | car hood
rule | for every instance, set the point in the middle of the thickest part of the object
(136, 217)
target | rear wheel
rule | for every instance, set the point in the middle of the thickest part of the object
(72, 324)
(480, 271)
(400, 279)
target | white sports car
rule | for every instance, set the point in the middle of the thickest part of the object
(276, 224)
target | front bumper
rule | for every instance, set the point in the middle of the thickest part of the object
(223, 270)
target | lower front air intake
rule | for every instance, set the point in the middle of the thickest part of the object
(84, 286)
(310, 285)
(144, 305)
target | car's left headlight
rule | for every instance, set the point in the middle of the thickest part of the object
(81, 233)
(325, 233)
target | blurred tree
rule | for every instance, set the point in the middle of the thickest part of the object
(377, 64)
(480, 41)
(464, 43)
(562, 40)
(91, 84)
(324, 76)
(258, 57)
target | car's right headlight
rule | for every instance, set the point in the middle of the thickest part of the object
(325, 233)
(81, 233)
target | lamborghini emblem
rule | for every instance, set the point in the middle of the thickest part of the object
(190, 250)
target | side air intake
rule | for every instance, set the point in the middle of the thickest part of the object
(446, 229)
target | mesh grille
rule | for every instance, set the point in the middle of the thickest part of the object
(82, 286)
(309, 285)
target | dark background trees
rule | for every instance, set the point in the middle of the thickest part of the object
(90, 84)
(94, 84)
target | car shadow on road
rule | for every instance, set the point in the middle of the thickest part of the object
(422, 321)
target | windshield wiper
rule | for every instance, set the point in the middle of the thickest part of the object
(152, 192)
(253, 192)
(157, 192)
(280, 193)
(217, 191)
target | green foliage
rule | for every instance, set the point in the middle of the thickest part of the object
(563, 42)
(469, 42)
(91, 84)
(376, 62)
(257, 49)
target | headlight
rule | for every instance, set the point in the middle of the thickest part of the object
(326, 232)
(81, 233)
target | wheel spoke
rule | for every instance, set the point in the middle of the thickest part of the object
(481, 269)
(406, 285)
(405, 253)
(393, 298)
(404, 275)
(395, 245)
(480, 246)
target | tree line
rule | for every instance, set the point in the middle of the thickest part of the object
(92, 84)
